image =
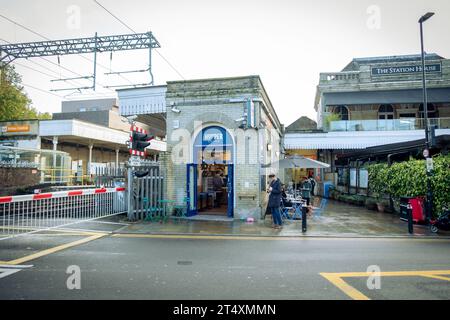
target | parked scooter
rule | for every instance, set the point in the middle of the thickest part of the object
(442, 222)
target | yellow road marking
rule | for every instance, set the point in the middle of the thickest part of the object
(336, 279)
(392, 273)
(345, 287)
(53, 250)
(437, 277)
(271, 238)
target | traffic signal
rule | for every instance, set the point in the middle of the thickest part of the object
(139, 141)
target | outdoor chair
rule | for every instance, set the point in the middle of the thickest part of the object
(180, 210)
(285, 211)
(318, 211)
(151, 213)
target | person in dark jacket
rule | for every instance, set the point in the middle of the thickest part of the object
(275, 200)
(306, 190)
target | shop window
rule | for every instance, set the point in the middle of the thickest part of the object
(386, 112)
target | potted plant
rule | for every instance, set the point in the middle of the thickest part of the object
(330, 118)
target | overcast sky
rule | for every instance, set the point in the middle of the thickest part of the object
(287, 42)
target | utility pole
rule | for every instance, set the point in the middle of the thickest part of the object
(429, 198)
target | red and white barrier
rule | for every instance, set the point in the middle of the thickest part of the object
(137, 129)
(137, 153)
(59, 194)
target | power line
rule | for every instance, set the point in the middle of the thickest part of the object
(48, 39)
(49, 61)
(41, 72)
(115, 17)
(131, 29)
(167, 61)
(42, 90)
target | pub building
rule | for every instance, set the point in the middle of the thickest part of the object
(370, 110)
(220, 133)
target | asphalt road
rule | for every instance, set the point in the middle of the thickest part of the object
(118, 267)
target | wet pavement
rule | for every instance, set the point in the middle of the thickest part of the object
(336, 220)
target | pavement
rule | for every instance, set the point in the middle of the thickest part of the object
(336, 220)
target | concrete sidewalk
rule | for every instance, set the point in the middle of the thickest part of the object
(337, 220)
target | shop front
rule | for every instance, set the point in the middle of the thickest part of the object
(210, 177)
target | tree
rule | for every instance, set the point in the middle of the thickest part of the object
(14, 103)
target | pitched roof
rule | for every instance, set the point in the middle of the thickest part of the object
(302, 124)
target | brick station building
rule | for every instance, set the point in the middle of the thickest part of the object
(219, 134)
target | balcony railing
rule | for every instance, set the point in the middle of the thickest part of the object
(388, 125)
(347, 76)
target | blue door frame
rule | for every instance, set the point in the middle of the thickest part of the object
(230, 184)
(192, 193)
(192, 180)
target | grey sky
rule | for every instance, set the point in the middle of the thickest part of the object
(288, 43)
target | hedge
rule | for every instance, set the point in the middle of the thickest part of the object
(408, 179)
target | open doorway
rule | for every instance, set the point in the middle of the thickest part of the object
(212, 189)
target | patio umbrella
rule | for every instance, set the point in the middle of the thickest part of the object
(297, 162)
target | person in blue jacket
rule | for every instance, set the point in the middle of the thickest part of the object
(275, 191)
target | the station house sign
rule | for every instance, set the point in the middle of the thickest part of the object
(412, 69)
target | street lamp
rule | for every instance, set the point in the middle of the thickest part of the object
(429, 203)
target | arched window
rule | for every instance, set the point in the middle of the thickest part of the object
(432, 111)
(213, 145)
(386, 111)
(342, 111)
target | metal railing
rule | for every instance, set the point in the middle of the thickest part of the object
(388, 125)
(109, 176)
(40, 212)
(347, 76)
(146, 197)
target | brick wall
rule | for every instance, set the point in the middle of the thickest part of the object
(12, 179)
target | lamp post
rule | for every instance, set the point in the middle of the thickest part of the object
(429, 201)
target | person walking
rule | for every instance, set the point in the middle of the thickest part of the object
(275, 200)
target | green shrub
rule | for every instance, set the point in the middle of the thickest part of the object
(409, 179)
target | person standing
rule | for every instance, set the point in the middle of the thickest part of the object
(313, 184)
(275, 200)
(306, 190)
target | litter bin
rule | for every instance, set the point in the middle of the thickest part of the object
(327, 185)
(417, 204)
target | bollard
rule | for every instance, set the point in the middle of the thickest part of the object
(304, 222)
(410, 219)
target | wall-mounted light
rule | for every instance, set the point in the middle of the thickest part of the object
(269, 147)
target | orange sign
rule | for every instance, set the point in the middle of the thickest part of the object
(17, 128)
